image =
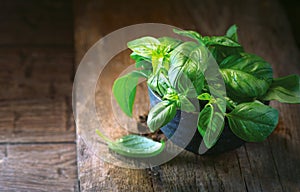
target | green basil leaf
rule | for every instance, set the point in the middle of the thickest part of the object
(232, 33)
(139, 58)
(168, 44)
(143, 64)
(171, 95)
(161, 114)
(284, 89)
(205, 118)
(144, 73)
(182, 83)
(211, 122)
(159, 82)
(204, 97)
(154, 51)
(191, 34)
(220, 52)
(160, 57)
(222, 47)
(188, 63)
(186, 104)
(198, 83)
(243, 86)
(157, 63)
(246, 76)
(124, 90)
(230, 104)
(134, 146)
(220, 40)
(253, 121)
(251, 64)
(137, 146)
(144, 46)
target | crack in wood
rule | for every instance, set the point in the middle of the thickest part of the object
(241, 172)
(251, 167)
(17, 116)
(6, 151)
(275, 164)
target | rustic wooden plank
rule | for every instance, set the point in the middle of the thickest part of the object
(189, 172)
(36, 121)
(257, 167)
(27, 73)
(263, 166)
(285, 147)
(38, 167)
(108, 177)
(36, 74)
(36, 23)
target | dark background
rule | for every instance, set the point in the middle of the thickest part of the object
(292, 9)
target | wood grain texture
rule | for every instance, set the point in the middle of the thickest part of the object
(35, 167)
(37, 134)
(36, 121)
(35, 72)
(109, 177)
(272, 165)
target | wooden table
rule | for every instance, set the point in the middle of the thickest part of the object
(273, 165)
(37, 132)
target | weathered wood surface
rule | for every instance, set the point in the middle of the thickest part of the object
(273, 165)
(37, 134)
(28, 72)
(38, 167)
(43, 121)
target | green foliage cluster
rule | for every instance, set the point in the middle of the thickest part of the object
(177, 71)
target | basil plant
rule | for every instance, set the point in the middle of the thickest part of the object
(248, 80)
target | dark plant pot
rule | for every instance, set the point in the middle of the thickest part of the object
(227, 141)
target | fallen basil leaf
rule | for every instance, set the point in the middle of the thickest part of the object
(134, 146)
(137, 146)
